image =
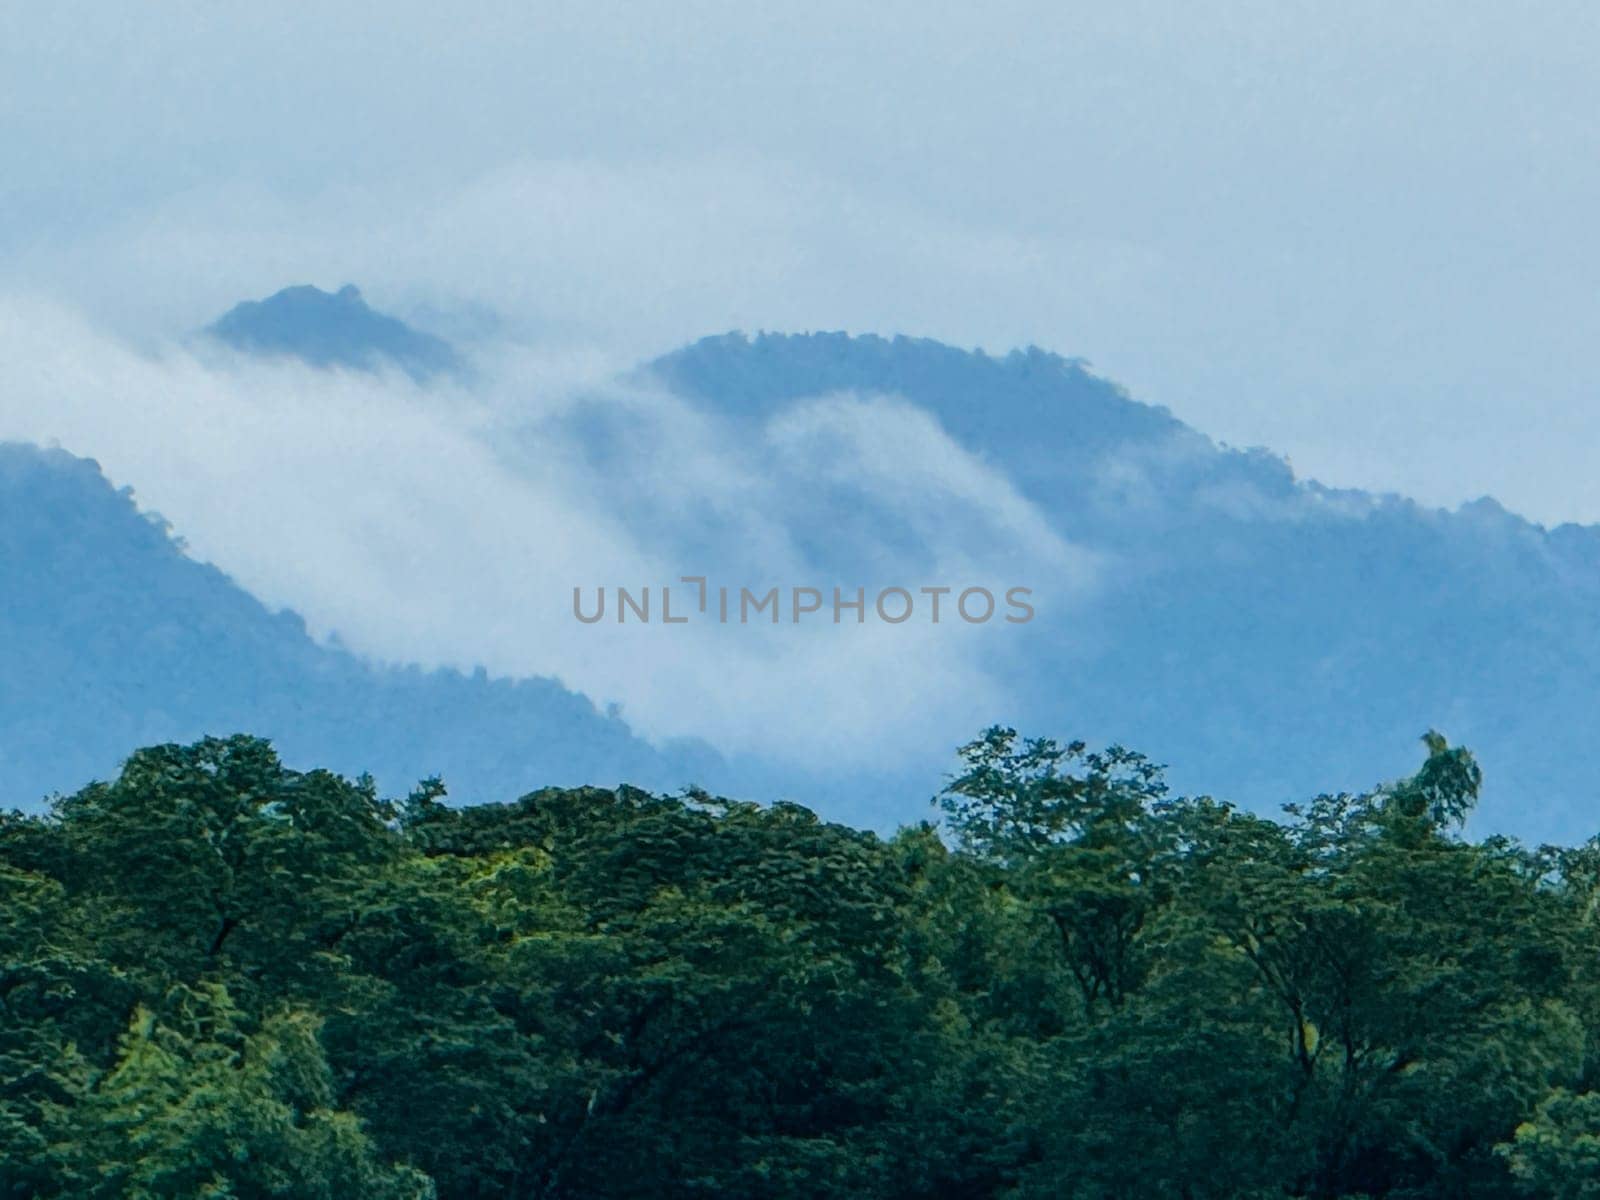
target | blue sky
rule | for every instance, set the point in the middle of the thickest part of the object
(1362, 234)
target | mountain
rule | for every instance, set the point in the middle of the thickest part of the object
(999, 406)
(335, 329)
(1264, 635)
(113, 638)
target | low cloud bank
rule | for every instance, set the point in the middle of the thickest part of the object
(450, 525)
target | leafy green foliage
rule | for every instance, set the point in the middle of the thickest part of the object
(220, 977)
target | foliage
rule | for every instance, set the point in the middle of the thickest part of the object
(223, 978)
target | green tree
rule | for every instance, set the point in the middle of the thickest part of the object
(198, 1103)
(1555, 1154)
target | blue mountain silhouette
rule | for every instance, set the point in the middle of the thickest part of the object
(1266, 636)
(336, 329)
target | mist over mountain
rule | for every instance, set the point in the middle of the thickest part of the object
(333, 329)
(114, 638)
(1265, 636)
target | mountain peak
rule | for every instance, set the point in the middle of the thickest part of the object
(332, 329)
(1042, 414)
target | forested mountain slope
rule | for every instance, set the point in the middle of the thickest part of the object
(1266, 636)
(112, 637)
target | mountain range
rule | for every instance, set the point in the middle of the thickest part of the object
(1268, 637)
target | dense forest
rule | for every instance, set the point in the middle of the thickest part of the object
(220, 977)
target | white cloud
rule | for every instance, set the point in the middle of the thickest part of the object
(449, 526)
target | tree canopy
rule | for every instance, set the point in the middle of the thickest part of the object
(221, 977)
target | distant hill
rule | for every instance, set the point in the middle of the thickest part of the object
(112, 638)
(1264, 635)
(336, 329)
